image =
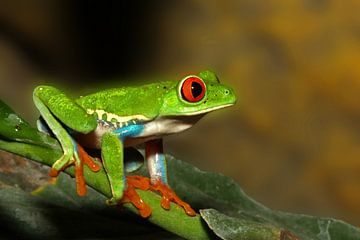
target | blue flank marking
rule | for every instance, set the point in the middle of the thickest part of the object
(129, 131)
(161, 166)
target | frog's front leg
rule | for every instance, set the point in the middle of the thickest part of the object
(158, 174)
(122, 187)
(55, 106)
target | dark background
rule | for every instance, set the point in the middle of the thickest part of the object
(292, 141)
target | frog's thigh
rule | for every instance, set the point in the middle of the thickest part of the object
(112, 157)
(40, 100)
(64, 108)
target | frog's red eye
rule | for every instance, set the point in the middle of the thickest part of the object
(193, 89)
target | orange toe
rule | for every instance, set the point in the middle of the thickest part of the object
(53, 172)
(168, 195)
(79, 170)
(131, 196)
(80, 180)
(87, 160)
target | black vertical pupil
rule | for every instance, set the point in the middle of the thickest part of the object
(196, 89)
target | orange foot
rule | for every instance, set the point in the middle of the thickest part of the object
(79, 170)
(143, 183)
(131, 196)
(169, 195)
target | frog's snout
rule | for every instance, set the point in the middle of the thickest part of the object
(229, 94)
(226, 92)
(220, 95)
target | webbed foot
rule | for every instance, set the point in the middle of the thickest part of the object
(82, 158)
(168, 195)
(131, 196)
(144, 183)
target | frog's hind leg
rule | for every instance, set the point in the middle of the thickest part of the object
(60, 133)
(53, 103)
(158, 173)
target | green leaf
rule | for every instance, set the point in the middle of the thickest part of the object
(31, 151)
(14, 128)
(31, 217)
(18, 137)
(238, 228)
(238, 211)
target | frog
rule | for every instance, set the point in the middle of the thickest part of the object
(114, 119)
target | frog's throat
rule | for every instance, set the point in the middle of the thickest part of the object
(174, 124)
(162, 126)
(170, 124)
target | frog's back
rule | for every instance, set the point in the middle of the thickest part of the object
(143, 100)
(119, 107)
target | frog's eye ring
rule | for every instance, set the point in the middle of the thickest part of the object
(193, 89)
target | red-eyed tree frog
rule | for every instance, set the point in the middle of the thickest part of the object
(128, 116)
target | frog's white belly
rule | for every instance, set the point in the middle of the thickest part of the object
(154, 129)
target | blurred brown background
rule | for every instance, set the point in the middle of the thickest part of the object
(293, 139)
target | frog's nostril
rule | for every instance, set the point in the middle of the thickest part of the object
(227, 92)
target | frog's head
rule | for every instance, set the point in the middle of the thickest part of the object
(197, 95)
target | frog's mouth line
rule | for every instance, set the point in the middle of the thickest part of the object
(207, 110)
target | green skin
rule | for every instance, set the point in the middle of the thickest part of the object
(154, 110)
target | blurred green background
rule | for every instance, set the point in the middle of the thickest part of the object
(293, 139)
